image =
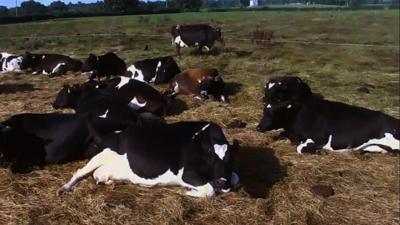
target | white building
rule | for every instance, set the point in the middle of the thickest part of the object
(253, 3)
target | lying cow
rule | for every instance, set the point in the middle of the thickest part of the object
(314, 123)
(196, 35)
(10, 62)
(157, 70)
(29, 140)
(198, 82)
(50, 64)
(117, 92)
(194, 155)
(104, 66)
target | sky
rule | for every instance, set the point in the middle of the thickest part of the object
(11, 3)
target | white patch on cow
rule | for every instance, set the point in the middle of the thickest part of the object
(122, 82)
(304, 144)
(158, 66)
(136, 73)
(135, 104)
(56, 69)
(43, 57)
(176, 87)
(178, 41)
(202, 129)
(109, 166)
(199, 81)
(279, 83)
(269, 106)
(220, 150)
(373, 144)
(270, 85)
(44, 72)
(104, 115)
(207, 48)
(13, 65)
(289, 106)
(118, 131)
(328, 145)
(223, 98)
(34, 73)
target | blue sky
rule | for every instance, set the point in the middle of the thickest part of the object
(11, 3)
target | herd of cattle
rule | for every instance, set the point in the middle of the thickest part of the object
(118, 122)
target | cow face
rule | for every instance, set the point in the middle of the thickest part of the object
(214, 87)
(66, 98)
(283, 96)
(218, 157)
(90, 63)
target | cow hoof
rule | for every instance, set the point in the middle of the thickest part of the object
(63, 190)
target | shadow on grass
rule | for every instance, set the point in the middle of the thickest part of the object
(259, 170)
(14, 88)
(176, 107)
(232, 88)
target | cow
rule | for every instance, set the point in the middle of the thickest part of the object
(198, 82)
(105, 65)
(30, 140)
(313, 123)
(192, 154)
(10, 62)
(49, 64)
(195, 35)
(156, 70)
(119, 92)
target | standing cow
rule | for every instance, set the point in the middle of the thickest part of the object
(313, 123)
(50, 64)
(156, 70)
(196, 35)
(10, 62)
(104, 65)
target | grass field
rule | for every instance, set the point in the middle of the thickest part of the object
(276, 181)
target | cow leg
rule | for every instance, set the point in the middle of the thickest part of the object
(307, 146)
(178, 50)
(200, 49)
(92, 165)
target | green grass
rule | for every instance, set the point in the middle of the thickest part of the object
(276, 181)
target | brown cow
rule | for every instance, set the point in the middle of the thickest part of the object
(198, 82)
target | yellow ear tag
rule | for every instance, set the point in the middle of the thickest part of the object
(289, 106)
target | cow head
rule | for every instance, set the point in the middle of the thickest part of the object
(218, 35)
(28, 60)
(214, 87)
(218, 156)
(283, 97)
(67, 97)
(90, 63)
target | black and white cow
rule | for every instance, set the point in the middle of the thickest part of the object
(50, 64)
(194, 155)
(117, 93)
(29, 140)
(10, 62)
(195, 35)
(198, 82)
(105, 65)
(157, 70)
(314, 123)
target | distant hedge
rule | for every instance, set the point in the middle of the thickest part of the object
(266, 8)
(24, 19)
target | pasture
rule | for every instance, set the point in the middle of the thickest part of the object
(275, 180)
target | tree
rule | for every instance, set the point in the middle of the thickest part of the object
(121, 5)
(58, 6)
(32, 8)
(3, 11)
(245, 2)
(189, 4)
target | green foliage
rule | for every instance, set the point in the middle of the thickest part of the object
(189, 4)
(121, 5)
(32, 8)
